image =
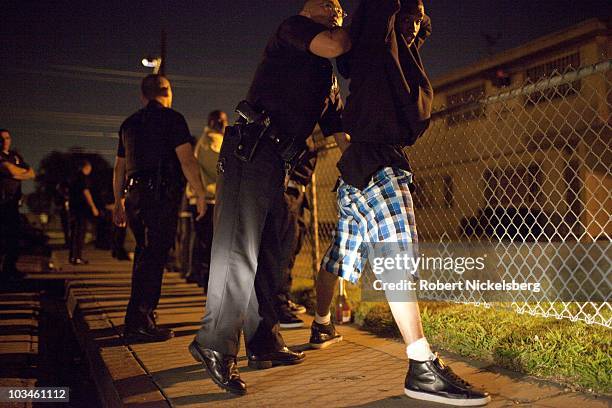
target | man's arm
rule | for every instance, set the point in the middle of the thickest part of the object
(118, 178)
(118, 185)
(424, 32)
(191, 171)
(16, 172)
(90, 202)
(331, 43)
(343, 140)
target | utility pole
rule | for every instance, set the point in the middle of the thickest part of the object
(162, 67)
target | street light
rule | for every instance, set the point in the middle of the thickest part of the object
(151, 62)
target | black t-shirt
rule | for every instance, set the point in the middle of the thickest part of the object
(10, 188)
(77, 200)
(390, 101)
(294, 86)
(147, 140)
(360, 161)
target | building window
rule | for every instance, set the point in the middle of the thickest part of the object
(464, 102)
(548, 69)
(433, 192)
(512, 186)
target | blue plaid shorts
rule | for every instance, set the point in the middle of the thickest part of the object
(382, 212)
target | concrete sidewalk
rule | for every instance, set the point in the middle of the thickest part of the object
(363, 370)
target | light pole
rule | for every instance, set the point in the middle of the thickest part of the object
(158, 63)
(152, 62)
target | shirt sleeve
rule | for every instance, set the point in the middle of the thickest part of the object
(120, 146)
(299, 31)
(86, 183)
(179, 131)
(22, 162)
(331, 118)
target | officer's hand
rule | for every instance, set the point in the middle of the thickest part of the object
(119, 215)
(201, 206)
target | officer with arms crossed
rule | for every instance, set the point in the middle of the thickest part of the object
(13, 170)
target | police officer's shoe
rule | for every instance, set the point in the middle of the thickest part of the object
(288, 320)
(434, 381)
(296, 308)
(78, 261)
(283, 356)
(222, 369)
(323, 335)
(147, 334)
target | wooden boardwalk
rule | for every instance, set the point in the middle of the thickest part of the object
(364, 370)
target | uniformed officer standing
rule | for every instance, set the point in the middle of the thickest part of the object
(291, 92)
(13, 170)
(154, 153)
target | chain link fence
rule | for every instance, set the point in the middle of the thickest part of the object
(525, 172)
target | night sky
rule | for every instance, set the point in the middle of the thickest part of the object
(70, 70)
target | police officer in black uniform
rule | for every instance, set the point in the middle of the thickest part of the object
(291, 92)
(154, 153)
(13, 170)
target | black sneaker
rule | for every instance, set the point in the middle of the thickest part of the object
(290, 321)
(323, 335)
(296, 308)
(434, 381)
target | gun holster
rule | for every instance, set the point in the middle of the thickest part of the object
(250, 128)
(249, 136)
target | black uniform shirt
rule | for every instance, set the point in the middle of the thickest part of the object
(147, 140)
(294, 86)
(10, 188)
(76, 198)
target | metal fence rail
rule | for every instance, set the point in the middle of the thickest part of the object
(522, 171)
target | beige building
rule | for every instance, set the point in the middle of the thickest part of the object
(523, 152)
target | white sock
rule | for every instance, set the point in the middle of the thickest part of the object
(323, 319)
(419, 350)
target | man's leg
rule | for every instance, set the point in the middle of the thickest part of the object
(285, 251)
(266, 347)
(154, 223)
(341, 260)
(73, 236)
(9, 241)
(244, 194)
(428, 378)
(325, 289)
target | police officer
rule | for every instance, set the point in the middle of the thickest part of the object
(154, 153)
(81, 206)
(290, 93)
(13, 170)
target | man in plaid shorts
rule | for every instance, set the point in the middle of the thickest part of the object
(388, 108)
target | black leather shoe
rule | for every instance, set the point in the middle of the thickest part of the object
(222, 368)
(283, 356)
(147, 335)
